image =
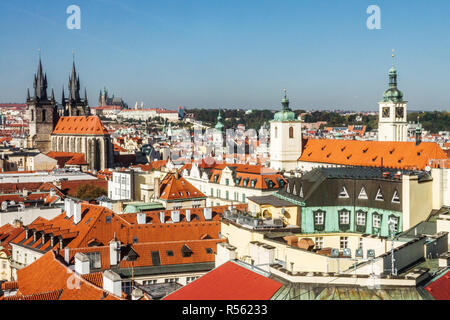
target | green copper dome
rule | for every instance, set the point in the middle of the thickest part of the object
(393, 94)
(286, 113)
(219, 125)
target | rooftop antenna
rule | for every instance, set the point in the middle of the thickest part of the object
(393, 57)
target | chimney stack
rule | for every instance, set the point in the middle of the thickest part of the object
(141, 217)
(188, 215)
(67, 207)
(207, 213)
(175, 215)
(81, 263)
(76, 212)
(112, 283)
(156, 187)
(114, 252)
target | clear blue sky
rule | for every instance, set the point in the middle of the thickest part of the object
(211, 53)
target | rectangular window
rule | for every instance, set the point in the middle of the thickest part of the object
(227, 194)
(376, 221)
(212, 192)
(108, 219)
(393, 221)
(319, 218)
(227, 182)
(243, 197)
(344, 242)
(361, 218)
(319, 243)
(344, 217)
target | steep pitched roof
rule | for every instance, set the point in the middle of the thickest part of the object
(49, 279)
(91, 125)
(404, 155)
(67, 158)
(440, 288)
(178, 188)
(230, 281)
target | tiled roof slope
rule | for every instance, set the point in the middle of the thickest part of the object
(175, 187)
(48, 275)
(69, 158)
(440, 288)
(230, 281)
(404, 155)
(244, 173)
(91, 125)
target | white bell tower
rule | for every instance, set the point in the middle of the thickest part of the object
(285, 138)
(393, 124)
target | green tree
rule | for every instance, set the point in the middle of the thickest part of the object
(89, 192)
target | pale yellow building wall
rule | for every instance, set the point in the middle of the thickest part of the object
(417, 200)
(5, 267)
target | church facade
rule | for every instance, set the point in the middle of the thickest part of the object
(74, 131)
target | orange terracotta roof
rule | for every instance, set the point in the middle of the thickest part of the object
(173, 188)
(91, 125)
(48, 275)
(402, 155)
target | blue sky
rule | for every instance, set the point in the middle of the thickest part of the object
(210, 53)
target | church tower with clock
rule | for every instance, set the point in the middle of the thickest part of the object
(392, 125)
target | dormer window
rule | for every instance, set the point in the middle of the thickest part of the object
(395, 198)
(379, 196)
(363, 194)
(343, 194)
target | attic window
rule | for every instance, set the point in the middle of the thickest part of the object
(309, 154)
(343, 194)
(349, 157)
(180, 193)
(395, 198)
(328, 155)
(186, 251)
(301, 192)
(379, 196)
(323, 148)
(108, 219)
(342, 149)
(392, 151)
(373, 159)
(156, 259)
(209, 251)
(135, 240)
(365, 150)
(169, 253)
(363, 194)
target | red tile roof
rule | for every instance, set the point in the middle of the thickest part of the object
(91, 125)
(44, 278)
(175, 187)
(230, 281)
(67, 158)
(404, 155)
(440, 288)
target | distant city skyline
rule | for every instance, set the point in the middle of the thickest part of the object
(234, 54)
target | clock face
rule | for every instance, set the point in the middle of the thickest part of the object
(399, 112)
(386, 112)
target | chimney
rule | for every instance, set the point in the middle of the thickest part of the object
(114, 252)
(81, 263)
(67, 255)
(67, 207)
(112, 283)
(156, 187)
(225, 253)
(76, 212)
(207, 213)
(188, 215)
(175, 215)
(137, 294)
(141, 218)
(162, 216)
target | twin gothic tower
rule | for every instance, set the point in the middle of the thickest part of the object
(72, 129)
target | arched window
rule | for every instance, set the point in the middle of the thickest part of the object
(291, 132)
(44, 113)
(32, 115)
